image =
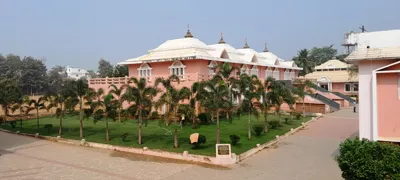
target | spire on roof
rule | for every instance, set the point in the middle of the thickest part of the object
(266, 48)
(188, 33)
(221, 41)
(246, 46)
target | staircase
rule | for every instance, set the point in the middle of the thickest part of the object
(347, 98)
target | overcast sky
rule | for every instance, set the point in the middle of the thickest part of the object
(80, 32)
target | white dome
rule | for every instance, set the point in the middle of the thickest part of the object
(269, 55)
(183, 43)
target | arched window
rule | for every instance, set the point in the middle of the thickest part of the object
(177, 68)
(254, 71)
(276, 74)
(268, 72)
(212, 67)
(286, 74)
(144, 70)
(244, 69)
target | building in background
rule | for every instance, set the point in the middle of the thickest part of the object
(333, 76)
(377, 55)
(76, 73)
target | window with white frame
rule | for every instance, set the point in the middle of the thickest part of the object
(144, 70)
(212, 67)
(347, 87)
(244, 69)
(276, 74)
(177, 68)
(286, 74)
(254, 71)
(355, 87)
(268, 73)
(351, 87)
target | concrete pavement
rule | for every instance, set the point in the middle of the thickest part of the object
(308, 154)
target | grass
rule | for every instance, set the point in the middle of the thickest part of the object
(156, 136)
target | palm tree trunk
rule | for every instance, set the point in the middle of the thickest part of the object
(80, 119)
(140, 127)
(249, 127)
(119, 115)
(107, 135)
(304, 108)
(37, 118)
(176, 145)
(265, 122)
(61, 118)
(194, 122)
(218, 135)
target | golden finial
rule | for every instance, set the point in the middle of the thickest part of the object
(246, 45)
(266, 48)
(188, 33)
(221, 41)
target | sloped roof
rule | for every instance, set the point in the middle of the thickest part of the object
(374, 54)
(332, 64)
(333, 76)
(182, 43)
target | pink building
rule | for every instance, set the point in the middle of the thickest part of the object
(377, 55)
(193, 60)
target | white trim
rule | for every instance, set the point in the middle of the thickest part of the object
(389, 71)
(389, 140)
(276, 74)
(254, 71)
(389, 65)
(374, 108)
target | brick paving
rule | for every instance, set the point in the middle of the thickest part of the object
(308, 154)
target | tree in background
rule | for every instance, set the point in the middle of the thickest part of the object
(117, 93)
(10, 94)
(92, 74)
(56, 77)
(320, 55)
(10, 68)
(105, 69)
(304, 61)
(33, 75)
(120, 71)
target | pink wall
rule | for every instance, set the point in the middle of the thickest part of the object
(388, 106)
(338, 87)
(365, 69)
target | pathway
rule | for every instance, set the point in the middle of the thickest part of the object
(308, 154)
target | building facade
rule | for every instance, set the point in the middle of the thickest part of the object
(333, 76)
(76, 73)
(378, 57)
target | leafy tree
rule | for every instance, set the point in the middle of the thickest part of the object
(109, 112)
(303, 88)
(10, 68)
(105, 69)
(213, 94)
(262, 89)
(166, 98)
(92, 74)
(277, 94)
(352, 70)
(341, 57)
(10, 94)
(56, 77)
(33, 75)
(304, 61)
(121, 71)
(81, 88)
(320, 55)
(141, 94)
(117, 93)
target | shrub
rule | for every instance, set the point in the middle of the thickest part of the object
(363, 159)
(154, 115)
(204, 117)
(298, 116)
(201, 140)
(258, 129)
(13, 124)
(124, 136)
(234, 139)
(48, 127)
(274, 124)
(286, 120)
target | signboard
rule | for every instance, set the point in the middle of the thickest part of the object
(223, 150)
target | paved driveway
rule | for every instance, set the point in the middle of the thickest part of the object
(308, 154)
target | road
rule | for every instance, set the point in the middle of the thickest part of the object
(308, 154)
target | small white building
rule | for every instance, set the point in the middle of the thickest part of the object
(76, 73)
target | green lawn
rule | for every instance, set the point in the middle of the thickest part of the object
(156, 136)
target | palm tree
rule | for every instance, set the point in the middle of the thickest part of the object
(107, 110)
(166, 98)
(303, 88)
(250, 93)
(142, 95)
(36, 105)
(303, 60)
(80, 90)
(225, 70)
(262, 89)
(20, 105)
(213, 94)
(193, 101)
(117, 92)
(277, 94)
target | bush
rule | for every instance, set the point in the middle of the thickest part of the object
(297, 115)
(48, 127)
(274, 124)
(234, 139)
(154, 115)
(286, 120)
(204, 117)
(201, 140)
(13, 124)
(258, 129)
(124, 136)
(363, 159)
